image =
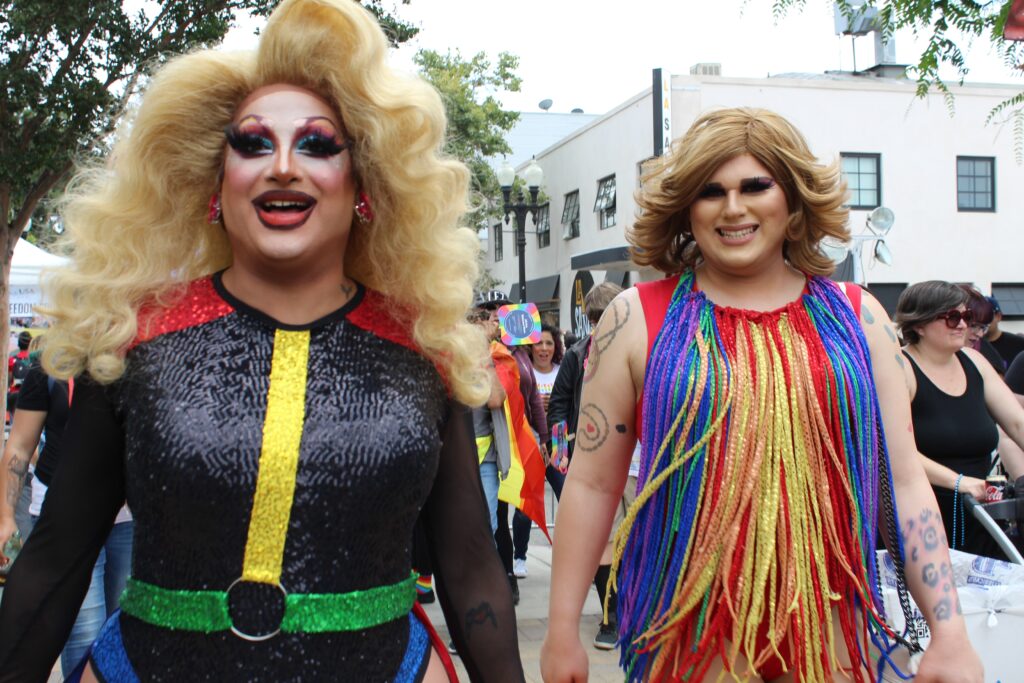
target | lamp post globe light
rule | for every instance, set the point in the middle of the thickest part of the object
(879, 223)
(533, 176)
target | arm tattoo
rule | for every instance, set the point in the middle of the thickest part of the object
(899, 359)
(925, 533)
(17, 471)
(944, 609)
(617, 317)
(592, 431)
(930, 575)
(478, 616)
(866, 314)
(892, 335)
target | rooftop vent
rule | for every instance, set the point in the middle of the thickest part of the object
(706, 69)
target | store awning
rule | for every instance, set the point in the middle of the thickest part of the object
(612, 258)
(541, 289)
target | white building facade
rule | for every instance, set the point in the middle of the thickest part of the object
(952, 181)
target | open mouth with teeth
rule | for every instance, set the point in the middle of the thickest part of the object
(280, 210)
(737, 234)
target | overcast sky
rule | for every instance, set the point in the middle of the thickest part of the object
(591, 55)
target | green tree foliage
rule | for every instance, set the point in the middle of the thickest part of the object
(944, 23)
(477, 123)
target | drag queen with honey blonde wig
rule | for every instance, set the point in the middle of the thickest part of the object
(773, 421)
(265, 311)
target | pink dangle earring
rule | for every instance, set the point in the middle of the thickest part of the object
(213, 214)
(363, 209)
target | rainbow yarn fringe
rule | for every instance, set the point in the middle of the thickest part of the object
(760, 485)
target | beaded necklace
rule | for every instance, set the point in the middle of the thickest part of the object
(759, 490)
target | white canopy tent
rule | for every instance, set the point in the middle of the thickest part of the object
(26, 267)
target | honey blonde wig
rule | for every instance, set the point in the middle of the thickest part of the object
(137, 230)
(661, 236)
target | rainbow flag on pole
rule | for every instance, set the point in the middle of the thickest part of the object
(523, 487)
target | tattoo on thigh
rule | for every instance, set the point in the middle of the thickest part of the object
(478, 616)
(615, 317)
(593, 428)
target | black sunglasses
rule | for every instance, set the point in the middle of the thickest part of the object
(954, 317)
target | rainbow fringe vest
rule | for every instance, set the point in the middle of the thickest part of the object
(763, 472)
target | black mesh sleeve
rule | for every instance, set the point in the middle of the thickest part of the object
(472, 585)
(50, 577)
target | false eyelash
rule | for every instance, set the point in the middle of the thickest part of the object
(247, 143)
(759, 184)
(320, 145)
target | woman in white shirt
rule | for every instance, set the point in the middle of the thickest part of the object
(545, 356)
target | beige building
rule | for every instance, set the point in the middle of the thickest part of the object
(952, 181)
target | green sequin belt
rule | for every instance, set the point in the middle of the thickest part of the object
(211, 611)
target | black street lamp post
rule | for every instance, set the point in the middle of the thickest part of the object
(533, 175)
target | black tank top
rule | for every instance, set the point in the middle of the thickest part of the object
(955, 431)
(958, 432)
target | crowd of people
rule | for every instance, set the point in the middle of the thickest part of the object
(267, 346)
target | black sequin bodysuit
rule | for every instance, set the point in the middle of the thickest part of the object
(211, 387)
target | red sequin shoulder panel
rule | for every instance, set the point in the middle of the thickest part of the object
(385, 318)
(200, 304)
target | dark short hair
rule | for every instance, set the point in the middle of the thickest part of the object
(923, 302)
(598, 299)
(24, 339)
(556, 336)
(979, 306)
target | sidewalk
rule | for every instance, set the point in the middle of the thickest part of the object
(532, 620)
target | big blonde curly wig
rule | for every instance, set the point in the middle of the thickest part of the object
(136, 228)
(661, 236)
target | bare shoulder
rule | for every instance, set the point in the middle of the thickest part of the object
(874, 320)
(620, 337)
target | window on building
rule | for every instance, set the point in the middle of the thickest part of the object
(604, 205)
(571, 216)
(642, 168)
(499, 246)
(1010, 296)
(888, 294)
(976, 183)
(543, 223)
(863, 175)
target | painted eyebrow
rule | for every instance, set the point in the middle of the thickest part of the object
(310, 119)
(743, 181)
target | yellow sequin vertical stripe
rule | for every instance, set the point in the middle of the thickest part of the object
(279, 458)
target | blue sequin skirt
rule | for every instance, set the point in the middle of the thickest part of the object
(111, 665)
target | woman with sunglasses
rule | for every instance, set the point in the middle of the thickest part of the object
(957, 399)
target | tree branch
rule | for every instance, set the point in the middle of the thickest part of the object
(46, 182)
(32, 125)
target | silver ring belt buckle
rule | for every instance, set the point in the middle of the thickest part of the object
(272, 620)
